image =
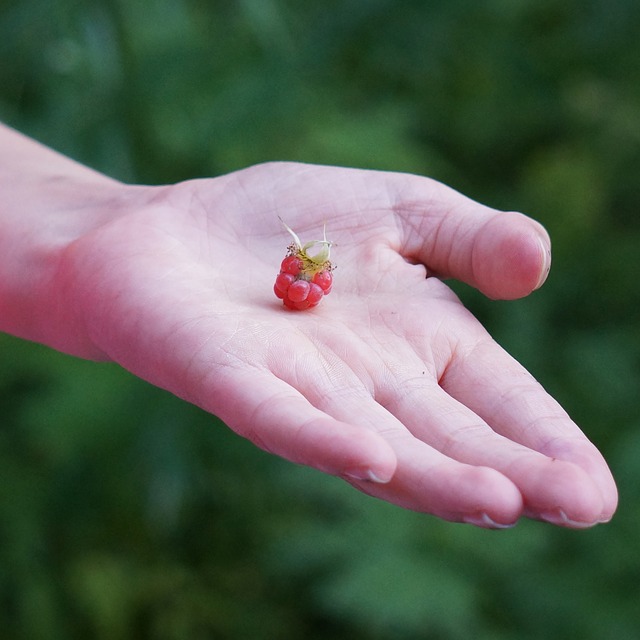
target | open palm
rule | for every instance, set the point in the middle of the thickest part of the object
(390, 382)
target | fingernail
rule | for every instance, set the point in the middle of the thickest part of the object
(546, 266)
(560, 518)
(365, 474)
(483, 520)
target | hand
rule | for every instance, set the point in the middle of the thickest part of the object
(389, 383)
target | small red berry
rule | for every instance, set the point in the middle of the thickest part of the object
(324, 280)
(315, 294)
(284, 281)
(302, 305)
(305, 273)
(292, 265)
(288, 303)
(298, 291)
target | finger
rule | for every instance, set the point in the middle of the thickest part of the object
(277, 418)
(425, 479)
(429, 483)
(547, 485)
(353, 444)
(505, 255)
(506, 396)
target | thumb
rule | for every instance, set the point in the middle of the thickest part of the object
(506, 255)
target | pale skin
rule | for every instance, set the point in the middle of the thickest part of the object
(390, 383)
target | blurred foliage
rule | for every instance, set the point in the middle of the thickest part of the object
(125, 513)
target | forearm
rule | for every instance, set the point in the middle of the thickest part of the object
(46, 202)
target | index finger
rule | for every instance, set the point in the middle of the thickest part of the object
(499, 390)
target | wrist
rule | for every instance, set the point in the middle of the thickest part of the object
(47, 203)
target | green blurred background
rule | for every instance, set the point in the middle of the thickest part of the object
(126, 513)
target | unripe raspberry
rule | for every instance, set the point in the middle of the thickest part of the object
(305, 276)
